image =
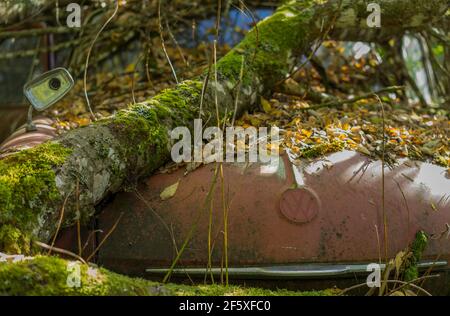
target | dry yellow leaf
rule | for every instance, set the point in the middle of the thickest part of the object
(169, 192)
(363, 150)
(306, 133)
(266, 105)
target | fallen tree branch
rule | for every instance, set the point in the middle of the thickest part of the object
(338, 103)
(37, 32)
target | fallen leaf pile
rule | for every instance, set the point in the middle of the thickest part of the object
(410, 130)
(311, 133)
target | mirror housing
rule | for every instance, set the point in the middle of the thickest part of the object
(47, 89)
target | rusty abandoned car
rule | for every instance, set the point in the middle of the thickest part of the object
(301, 223)
(316, 221)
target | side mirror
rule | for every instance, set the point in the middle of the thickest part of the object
(45, 90)
(48, 88)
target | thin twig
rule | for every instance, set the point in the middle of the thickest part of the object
(105, 238)
(37, 32)
(209, 267)
(162, 42)
(90, 236)
(318, 43)
(59, 250)
(58, 227)
(192, 230)
(410, 283)
(86, 66)
(406, 203)
(423, 278)
(383, 150)
(132, 78)
(175, 42)
(236, 99)
(204, 87)
(338, 103)
(80, 249)
(141, 197)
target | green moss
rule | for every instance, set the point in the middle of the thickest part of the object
(140, 128)
(144, 127)
(27, 186)
(417, 248)
(54, 276)
(180, 103)
(219, 290)
(229, 68)
(12, 240)
(267, 48)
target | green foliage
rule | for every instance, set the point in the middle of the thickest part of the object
(417, 248)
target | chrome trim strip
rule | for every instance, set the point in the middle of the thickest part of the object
(289, 271)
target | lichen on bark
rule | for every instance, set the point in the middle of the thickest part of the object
(28, 193)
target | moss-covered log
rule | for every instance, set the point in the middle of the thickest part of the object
(55, 276)
(85, 165)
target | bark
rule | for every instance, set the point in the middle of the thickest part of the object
(396, 18)
(75, 172)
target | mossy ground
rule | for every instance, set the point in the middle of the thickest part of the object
(49, 276)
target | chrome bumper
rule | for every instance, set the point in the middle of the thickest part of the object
(301, 271)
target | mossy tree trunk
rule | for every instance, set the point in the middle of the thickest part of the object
(80, 168)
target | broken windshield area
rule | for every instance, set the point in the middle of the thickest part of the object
(16, 71)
